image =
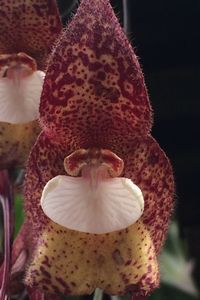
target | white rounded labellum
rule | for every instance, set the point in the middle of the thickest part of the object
(73, 203)
(20, 98)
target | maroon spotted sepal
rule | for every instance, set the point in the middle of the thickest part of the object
(30, 27)
(94, 78)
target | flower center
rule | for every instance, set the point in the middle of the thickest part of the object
(20, 88)
(15, 66)
(80, 161)
(93, 198)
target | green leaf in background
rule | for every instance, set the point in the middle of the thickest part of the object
(166, 292)
(176, 269)
(19, 213)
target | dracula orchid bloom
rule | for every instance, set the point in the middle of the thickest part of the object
(28, 29)
(98, 189)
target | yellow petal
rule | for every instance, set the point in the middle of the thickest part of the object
(70, 262)
(16, 141)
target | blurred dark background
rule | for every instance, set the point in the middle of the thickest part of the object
(166, 38)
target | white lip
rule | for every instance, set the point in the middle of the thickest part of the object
(72, 203)
(20, 99)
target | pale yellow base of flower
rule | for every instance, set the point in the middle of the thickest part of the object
(16, 141)
(70, 262)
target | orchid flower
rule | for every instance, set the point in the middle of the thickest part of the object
(28, 29)
(98, 189)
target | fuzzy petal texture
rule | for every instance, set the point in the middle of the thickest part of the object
(74, 263)
(45, 162)
(94, 86)
(30, 26)
(94, 96)
(20, 98)
(148, 166)
(61, 251)
(114, 204)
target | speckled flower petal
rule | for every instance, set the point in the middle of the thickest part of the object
(30, 26)
(74, 203)
(94, 85)
(20, 98)
(68, 262)
(147, 165)
(45, 162)
(119, 262)
(16, 141)
(94, 96)
(125, 261)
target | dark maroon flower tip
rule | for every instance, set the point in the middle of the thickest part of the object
(94, 78)
(35, 294)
